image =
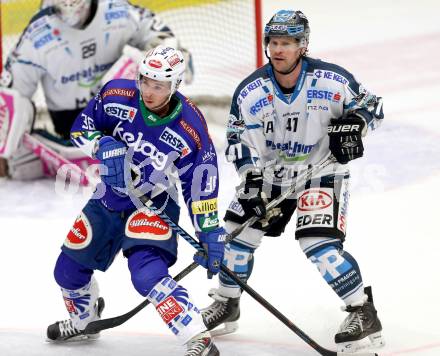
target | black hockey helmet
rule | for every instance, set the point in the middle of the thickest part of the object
(289, 23)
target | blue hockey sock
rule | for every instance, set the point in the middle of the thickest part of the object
(340, 270)
(239, 259)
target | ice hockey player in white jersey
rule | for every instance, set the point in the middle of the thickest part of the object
(68, 48)
(288, 115)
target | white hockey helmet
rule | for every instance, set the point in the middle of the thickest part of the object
(73, 12)
(164, 64)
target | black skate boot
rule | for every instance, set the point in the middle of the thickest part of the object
(201, 345)
(223, 311)
(361, 328)
(65, 331)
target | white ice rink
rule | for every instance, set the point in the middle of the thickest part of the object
(393, 47)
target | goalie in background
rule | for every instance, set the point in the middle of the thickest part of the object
(68, 47)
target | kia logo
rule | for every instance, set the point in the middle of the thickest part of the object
(314, 199)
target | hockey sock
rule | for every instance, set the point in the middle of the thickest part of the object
(176, 309)
(80, 303)
(340, 270)
(239, 259)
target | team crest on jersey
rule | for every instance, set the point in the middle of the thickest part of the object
(122, 112)
(80, 235)
(144, 224)
(174, 140)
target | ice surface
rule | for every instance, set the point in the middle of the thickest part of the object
(393, 47)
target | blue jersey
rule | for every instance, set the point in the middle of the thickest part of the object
(162, 150)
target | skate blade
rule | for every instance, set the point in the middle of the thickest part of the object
(77, 338)
(372, 341)
(225, 329)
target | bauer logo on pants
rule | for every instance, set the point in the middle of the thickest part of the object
(80, 235)
(144, 224)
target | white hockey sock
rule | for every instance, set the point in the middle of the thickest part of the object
(80, 303)
(176, 309)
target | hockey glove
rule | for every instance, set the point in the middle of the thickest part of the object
(346, 138)
(214, 245)
(250, 194)
(111, 153)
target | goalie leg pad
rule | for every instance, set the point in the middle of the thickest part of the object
(16, 117)
(25, 165)
(177, 310)
(339, 269)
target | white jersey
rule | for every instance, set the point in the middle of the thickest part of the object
(270, 129)
(70, 62)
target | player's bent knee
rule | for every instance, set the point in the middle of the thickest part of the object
(69, 274)
(309, 244)
(147, 268)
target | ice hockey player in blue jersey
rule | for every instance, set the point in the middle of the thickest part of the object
(147, 136)
(289, 114)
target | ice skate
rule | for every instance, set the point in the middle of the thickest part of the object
(63, 331)
(224, 311)
(361, 328)
(201, 345)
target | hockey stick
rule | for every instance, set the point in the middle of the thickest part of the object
(103, 324)
(299, 181)
(197, 245)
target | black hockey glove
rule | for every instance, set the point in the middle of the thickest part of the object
(346, 138)
(250, 194)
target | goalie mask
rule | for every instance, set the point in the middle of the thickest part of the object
(288, 23)
(164, 64)
(73, 12)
